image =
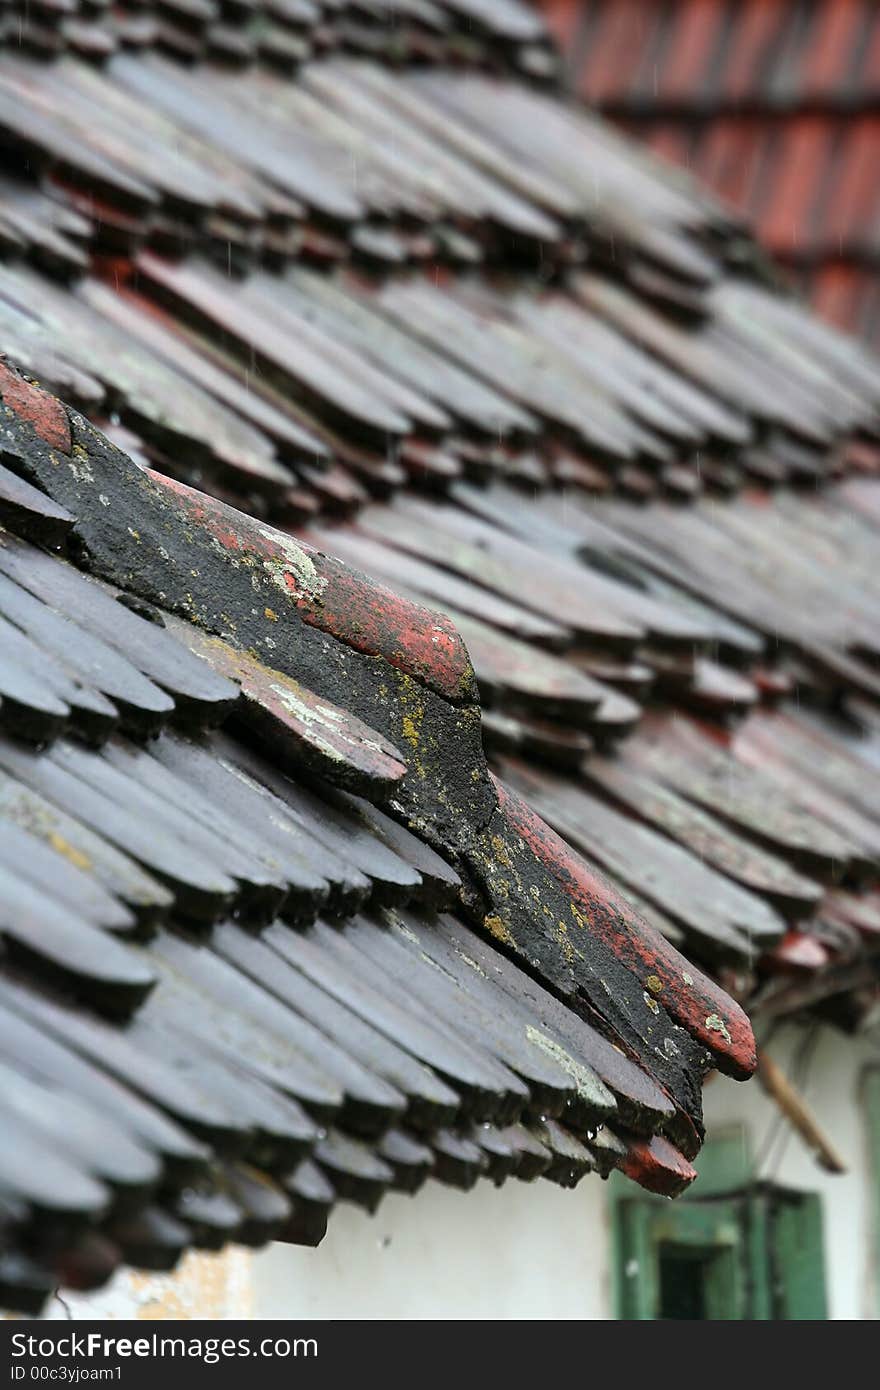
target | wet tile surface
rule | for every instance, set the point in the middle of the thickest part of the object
(438, 629)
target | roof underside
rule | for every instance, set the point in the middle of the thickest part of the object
(438, 632)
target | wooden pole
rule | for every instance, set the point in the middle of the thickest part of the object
(797, 1112)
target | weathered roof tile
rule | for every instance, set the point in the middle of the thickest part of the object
(225, 941)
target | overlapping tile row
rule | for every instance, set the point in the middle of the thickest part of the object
(349, 162)
(744, 832)
(281, 35)
(773, 103)
(444, 330)
(235, 988)
(183, 231)
(303, 394)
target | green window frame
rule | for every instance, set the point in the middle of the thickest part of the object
(735, 1251)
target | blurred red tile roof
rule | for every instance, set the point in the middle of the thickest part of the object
(775, 103)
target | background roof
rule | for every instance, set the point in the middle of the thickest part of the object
(774, 103)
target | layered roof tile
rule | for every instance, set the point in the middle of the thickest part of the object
(438, 632)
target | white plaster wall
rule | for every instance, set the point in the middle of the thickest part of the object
(525, 1250)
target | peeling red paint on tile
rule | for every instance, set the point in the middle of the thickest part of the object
(32, 403)
(339, 600)
(657, 1165)
(693, 999)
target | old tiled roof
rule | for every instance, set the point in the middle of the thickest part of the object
(394, 383)
(774, 103)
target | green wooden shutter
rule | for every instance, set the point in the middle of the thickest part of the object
(708, 1236)
(730, 1250)
(796, 1256)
